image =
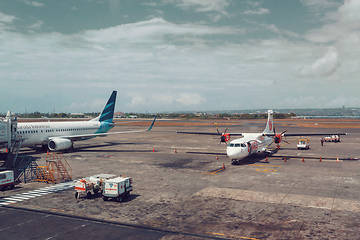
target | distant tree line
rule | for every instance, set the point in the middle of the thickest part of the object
(161, 115)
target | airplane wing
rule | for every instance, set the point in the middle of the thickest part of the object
(209, 133)
(87, 136)
(302, 134)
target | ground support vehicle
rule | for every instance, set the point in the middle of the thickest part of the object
(118, 188)
(7, 180)
(328, 139)
(303, 144)
(86, 186)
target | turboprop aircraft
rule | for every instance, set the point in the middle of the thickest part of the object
(58, 136)
(251, 143)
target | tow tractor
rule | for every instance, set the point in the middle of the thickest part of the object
(303, 144)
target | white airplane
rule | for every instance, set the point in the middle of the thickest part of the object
(58, 136)
(251, 143)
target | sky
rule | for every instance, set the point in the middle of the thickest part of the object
(178, 55)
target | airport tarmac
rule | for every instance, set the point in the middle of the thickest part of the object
(186, 188)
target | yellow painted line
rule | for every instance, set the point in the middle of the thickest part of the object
(234, 236)
(266, 170)
(215, 172)
(259, 165)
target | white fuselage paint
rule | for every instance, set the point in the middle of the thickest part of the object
(39, 133)
(249, 144)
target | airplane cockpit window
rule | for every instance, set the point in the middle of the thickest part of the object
(231, 145)
(243, 145)
(237, 145)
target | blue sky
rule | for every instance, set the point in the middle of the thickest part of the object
(178, 55)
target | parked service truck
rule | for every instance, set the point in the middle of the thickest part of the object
(118, 188)
(7, 180)
(86, 186)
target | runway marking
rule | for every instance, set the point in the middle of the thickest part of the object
(266, 170)
(259, 165)
(43, 191)
(36, 193)
(233, 236)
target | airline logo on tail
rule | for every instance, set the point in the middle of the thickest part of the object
(269, 125)
(108, 112)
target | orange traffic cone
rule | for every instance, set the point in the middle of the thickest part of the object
(320, 160)
(303, 159)
(266, 159)
(175, 150)
(223, 165)
(284, 159)
(337, 159)
(153, 149)
(217, 156)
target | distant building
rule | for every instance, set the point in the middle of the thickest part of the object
(77, 114)
(119, 115)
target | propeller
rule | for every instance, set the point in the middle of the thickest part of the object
(278, 139)
(224, 137)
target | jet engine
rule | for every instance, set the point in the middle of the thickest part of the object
(58, 144)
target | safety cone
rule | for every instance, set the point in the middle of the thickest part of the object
(217, 156)
(223, 165)
(175, 150)
(47, 153)
(337, 159)
(284, 159)
(266, 159)
(153, 149)
(6, 150)
(303, 159)
(320, 160)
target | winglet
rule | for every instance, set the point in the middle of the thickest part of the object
(152, 124)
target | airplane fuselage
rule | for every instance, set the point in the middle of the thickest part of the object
(39, 133)
(249, 144)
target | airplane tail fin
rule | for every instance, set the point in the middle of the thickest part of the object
(270, 123)
(108, 112)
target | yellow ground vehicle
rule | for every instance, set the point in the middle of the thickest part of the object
(303, 143)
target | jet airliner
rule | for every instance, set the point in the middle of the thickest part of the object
(58, 136)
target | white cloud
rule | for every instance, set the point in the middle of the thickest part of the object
(201, 5)
(6, 18)
(339, 24)
(320, 4)
(259, 11)
(154, 30)
(34, 3)
(95, 105)
(188, 99)
(324, 66)
(36, 26)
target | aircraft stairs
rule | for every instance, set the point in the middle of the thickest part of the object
(23, 166)
(57, 169)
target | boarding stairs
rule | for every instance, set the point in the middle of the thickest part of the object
(57, 169)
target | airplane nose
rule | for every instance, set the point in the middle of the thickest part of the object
(235, 153)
